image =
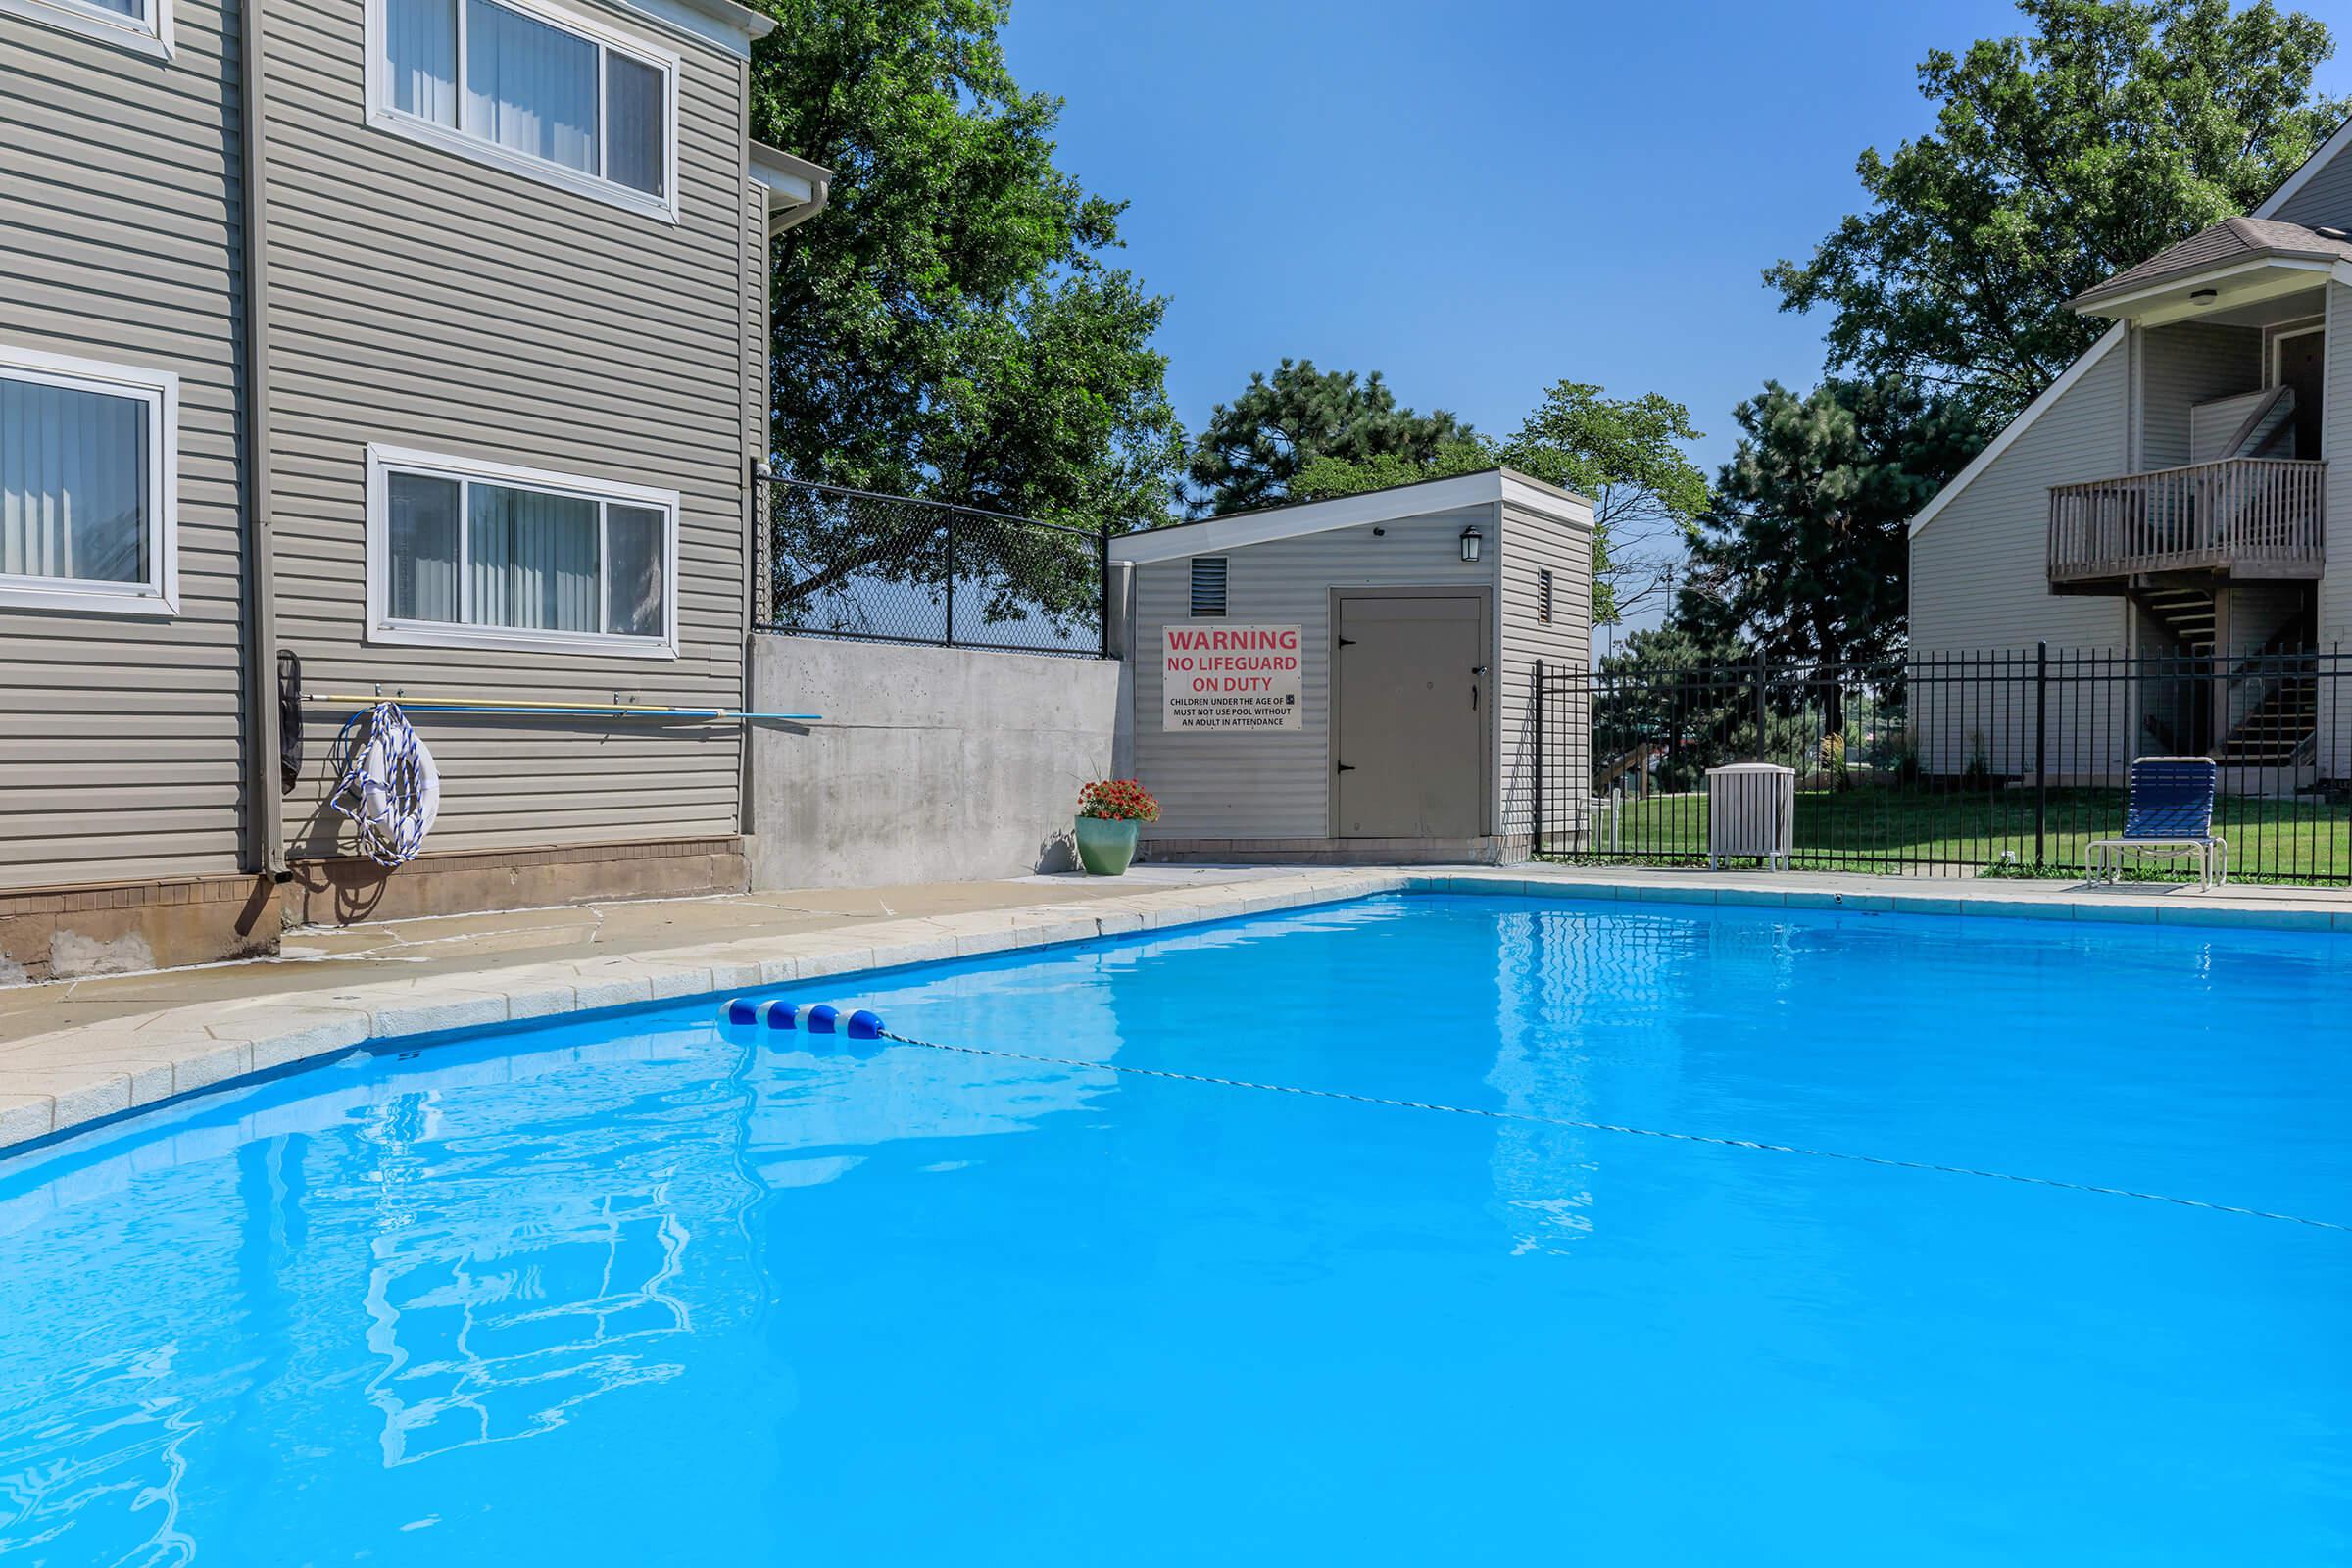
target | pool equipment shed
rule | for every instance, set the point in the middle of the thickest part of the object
(1350, 680)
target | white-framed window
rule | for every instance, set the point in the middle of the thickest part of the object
(89, 483)
(144, 26)
(533, 87)
(463, 553)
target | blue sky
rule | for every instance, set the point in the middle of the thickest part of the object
(1483, 197)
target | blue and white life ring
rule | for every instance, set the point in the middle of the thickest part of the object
(389, 786)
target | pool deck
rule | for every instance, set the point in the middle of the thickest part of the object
(73, 1051)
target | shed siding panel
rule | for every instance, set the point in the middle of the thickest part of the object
(1980, 574)
(121, 740)
(1276, 786)
(2327, 199)
(1531, 545)
(424, 300)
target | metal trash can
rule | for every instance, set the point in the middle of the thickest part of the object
(1752, 809)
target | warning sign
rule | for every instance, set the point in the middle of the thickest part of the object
(1230, 677)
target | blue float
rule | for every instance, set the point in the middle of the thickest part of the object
(821, 1019)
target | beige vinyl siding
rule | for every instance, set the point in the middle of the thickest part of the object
(424, 300)
(1277, 786)
(2183, 365)
(1980, 569)
(121, 738)
(1532, 544)
(2325, 199)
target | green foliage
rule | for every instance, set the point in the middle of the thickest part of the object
(1802, 551)
(948, 327)
(1625, 454)
(1257, 445)
(1327, 476)
(2109, 130)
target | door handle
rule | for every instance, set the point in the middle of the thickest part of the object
(1474, 699)
(1346, 767)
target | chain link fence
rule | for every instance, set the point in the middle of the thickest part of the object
(851, 564)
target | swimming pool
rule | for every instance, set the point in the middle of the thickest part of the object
(649, 1289)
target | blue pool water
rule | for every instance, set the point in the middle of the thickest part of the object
(647, 1290)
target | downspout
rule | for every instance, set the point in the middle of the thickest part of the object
(265, 817)
(799, 213)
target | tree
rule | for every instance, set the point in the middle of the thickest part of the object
(1326, 476)
(1625, 454)
(949, 326)
(1258, 442)
(2110, 130)
(1802, 550)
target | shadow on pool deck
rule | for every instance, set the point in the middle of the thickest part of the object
(323, 958)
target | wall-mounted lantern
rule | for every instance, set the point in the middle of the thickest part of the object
(1471, 540)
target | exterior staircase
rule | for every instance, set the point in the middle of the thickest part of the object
(2188, 614)
(2282, 729)
(2276, 742)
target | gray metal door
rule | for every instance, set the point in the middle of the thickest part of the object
(1409, 738)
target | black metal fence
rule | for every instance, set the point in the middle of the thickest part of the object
(890, 569)
(1996, 763)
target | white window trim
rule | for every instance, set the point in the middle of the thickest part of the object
(383, 116)
(149, 35)
(158, 594)
(383, 460)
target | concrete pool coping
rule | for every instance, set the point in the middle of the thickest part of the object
(57, 1078)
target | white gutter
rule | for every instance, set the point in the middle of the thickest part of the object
(797, 189)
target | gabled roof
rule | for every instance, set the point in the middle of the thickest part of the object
(1237, 529)
(2231, 241)
(2328, 153)
(2336, 146)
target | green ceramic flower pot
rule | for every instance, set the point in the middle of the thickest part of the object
(1104, 847)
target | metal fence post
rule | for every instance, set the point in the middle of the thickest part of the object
(1535, 835)
(951, 641)
(1102, 583)
(1763, 748)
(762, 585)
(2042, 741)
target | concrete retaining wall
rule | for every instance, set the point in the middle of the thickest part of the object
(930, 764)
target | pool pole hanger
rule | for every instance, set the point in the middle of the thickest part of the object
(512, 704)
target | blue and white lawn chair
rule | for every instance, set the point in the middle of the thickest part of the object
(2170, 812)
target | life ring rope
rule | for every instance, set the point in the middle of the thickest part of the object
(387, 784)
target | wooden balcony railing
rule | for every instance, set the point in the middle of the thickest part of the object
(2243, 517)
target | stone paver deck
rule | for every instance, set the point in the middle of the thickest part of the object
(75, 1051)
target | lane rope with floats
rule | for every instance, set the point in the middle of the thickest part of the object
(864, 1025)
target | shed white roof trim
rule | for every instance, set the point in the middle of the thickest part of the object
(1217, 534)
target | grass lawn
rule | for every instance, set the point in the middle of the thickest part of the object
(1899, 830)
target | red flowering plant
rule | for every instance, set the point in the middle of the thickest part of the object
(1118, 799)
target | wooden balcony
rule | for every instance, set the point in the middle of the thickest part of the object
(2247, 517)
